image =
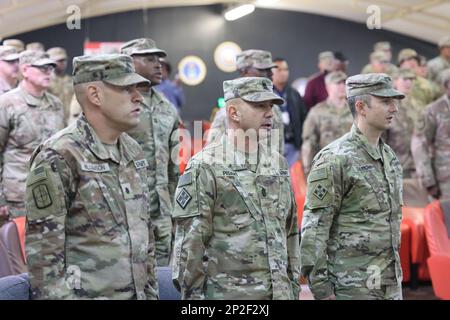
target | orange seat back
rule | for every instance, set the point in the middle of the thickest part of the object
(436, 230)
(21, 226)
(299, 187)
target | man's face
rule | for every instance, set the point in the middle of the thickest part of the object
(336, 90)
(255, 116)
(404, 85)
(388, 54)
(327, 64)
(61, 65)
(281, 74)
(263, 73)
(10, 69)
(149, 67)
(412, 64)
(121, 105)
(445, 52)
(381, 112)
(38, 76)
(379, 66)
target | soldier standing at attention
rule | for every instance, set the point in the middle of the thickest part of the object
(90, 194)
(235, 214)
(29, 115)
(9, 68)
(156, 135)
(351, 222)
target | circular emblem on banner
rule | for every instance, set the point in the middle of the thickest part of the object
(192, 70)
(225, 56)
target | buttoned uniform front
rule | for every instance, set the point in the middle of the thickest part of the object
(236, 227)
(89, 229)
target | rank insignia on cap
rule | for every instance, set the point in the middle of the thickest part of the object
(320, 192)
(183, 198)
(42, 197)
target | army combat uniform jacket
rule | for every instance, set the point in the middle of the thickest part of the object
(89, 229)
(351, 223)
(156, 134)
(236, 228)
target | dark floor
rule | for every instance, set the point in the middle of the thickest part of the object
(423, 292)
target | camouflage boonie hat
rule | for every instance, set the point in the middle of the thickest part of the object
(335, 77)
(251, 89)
(16, 43)
(116, 69)
(8, 53)
(35, 58)
(444, 42)
(406, 54)
(404, 73)
(57, 53)
(141, 46)
(379, 56)
(258, 59)
(375, 84)
(35, 46)
(382, 46)
(325, 55)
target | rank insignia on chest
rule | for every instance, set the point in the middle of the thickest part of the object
(183, 198)
(320, 192)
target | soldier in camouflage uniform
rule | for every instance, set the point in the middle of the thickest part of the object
(61, 85)
(327, 121)
(156, 134)
(16, 43)
(441, 62)
(398, 137)
(251, 63)
(351, 221)
(9, 68)
(385, 48)
(235, 214)
(431, 144)
(29, 115)
(35, 46)
(89, 194)
(379, 63)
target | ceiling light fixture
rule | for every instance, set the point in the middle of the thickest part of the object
(238, 12)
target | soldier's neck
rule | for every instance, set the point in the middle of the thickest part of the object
(32, 89)
(242, 141)
(372, 134)
(336, 102)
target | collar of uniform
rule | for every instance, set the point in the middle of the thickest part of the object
(359, 136)
(156, 98)
(96, 146)
(33, 101)
(239, 160)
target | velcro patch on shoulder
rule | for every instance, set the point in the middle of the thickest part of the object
(183, 198)
(95, 167)
(318, 174)
(139, 164)
(36, 175)
(185, 179)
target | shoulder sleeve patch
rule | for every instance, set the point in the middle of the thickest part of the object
(318, 174)
(185, 179)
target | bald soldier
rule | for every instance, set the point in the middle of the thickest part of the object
(156, 134)
(235, 214)
(352, 214)
(88, 194)
(29, 115)
(252, 63)
(327, 121)
(9, 68)
(61, 85)
(431, 144)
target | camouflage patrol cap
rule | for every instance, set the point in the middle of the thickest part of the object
(325, 55)
(375, 84)
(444, 42)
(141, 46)
(379, 56)
(382, 46)
(404, 73)
(335, 77)
(251, 89)
(16, 43)
(36, 46)
(407, 54)
(8, 53)
(57, 53)
(116, 69)
(35, 58)
(258, 59)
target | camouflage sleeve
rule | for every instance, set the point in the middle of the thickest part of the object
(48, 188)
(217, 128)
(322, 202)
(4, 134)
(422, 140)
(174, 150)
(192, 214)
(310, 145)
(293, 248)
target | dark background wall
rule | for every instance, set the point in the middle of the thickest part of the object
(298, 37)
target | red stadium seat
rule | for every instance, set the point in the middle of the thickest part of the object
(299, 188)
(405, 251)
(439, 248)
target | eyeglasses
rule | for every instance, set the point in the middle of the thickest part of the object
(45, 68)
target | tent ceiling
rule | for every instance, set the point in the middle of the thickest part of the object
(423, 19)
